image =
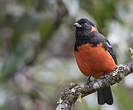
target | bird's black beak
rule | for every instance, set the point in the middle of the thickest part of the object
(77, 25)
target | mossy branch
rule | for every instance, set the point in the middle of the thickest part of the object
(71, 94)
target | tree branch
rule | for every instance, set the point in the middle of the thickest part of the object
(71, 94)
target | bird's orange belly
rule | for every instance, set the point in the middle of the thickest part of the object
(94, 61)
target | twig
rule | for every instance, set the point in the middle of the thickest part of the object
(70, 95)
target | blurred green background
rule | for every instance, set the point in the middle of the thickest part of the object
(36, 50)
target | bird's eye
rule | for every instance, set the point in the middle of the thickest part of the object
(87, 27)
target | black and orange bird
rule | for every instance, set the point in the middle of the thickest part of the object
(94, 56)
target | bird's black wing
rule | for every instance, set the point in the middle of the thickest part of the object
(108, 47)
(110, 50)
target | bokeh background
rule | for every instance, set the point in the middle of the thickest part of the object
(36, 50)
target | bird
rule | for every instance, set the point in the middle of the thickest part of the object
(94, 55)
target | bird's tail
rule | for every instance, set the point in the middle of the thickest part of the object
(105, 96)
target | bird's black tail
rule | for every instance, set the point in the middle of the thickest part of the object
(105, 96)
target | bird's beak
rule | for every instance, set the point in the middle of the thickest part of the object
(77, 25)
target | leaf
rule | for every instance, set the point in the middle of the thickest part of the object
(79, 99)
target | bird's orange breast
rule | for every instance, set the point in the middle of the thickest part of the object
(94, 60)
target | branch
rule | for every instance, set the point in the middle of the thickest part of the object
(75, 91)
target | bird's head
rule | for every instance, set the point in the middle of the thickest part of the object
(84, 27)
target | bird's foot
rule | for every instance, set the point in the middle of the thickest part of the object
(89, 80)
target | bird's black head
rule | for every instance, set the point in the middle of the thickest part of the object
(83, 22)
(84, 27)
(85, 32)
